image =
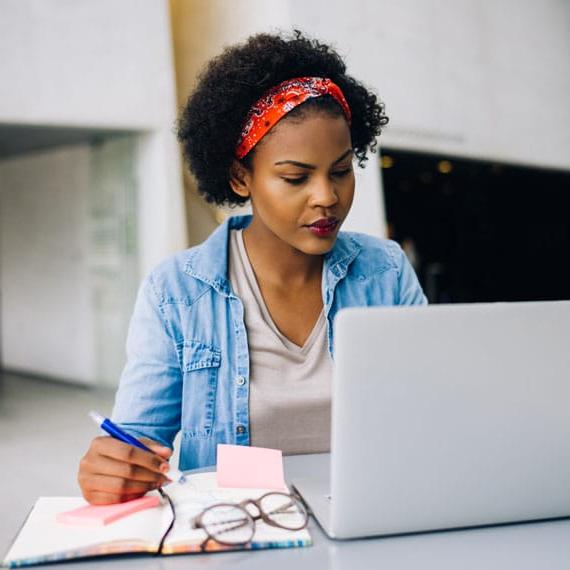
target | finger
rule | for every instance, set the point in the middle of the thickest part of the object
(104, 465)
(120, 451)
(101, 498)
(161, 450)
(119, 486)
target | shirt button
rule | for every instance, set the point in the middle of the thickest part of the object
(240, 380)
(240, 429)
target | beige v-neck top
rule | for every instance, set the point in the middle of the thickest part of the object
(290, 385)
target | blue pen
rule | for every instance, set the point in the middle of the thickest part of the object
(115, 431)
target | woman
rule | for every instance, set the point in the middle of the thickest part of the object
(232, 340)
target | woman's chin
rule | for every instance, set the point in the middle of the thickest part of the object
(318, 245)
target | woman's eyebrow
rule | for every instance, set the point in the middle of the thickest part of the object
(311, 166)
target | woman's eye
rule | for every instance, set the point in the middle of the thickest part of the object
(295, 181)
(300, 180)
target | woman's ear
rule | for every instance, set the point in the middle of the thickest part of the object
(239, 179)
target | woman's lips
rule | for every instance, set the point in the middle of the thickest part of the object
(323, 227)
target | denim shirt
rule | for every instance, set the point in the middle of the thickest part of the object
(187, 353)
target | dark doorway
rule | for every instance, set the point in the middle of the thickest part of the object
(480, 231)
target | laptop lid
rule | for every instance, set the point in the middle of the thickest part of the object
(450, 416)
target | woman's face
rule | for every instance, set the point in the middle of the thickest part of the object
(302, 182)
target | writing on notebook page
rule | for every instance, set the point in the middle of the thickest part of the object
(249, 467)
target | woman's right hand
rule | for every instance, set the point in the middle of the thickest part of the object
(113, 472)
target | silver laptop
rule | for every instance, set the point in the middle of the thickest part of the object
(446, 416)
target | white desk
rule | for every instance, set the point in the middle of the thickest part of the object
(544, 546)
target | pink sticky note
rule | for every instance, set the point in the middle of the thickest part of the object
(99, 515)
(250, 467)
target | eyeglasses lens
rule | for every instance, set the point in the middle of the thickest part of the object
(228, 524)
(284, 510)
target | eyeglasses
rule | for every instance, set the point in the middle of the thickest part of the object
(233, 524)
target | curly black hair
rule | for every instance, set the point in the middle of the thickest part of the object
(210, 123)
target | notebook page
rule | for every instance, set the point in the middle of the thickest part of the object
(200, 491)
(43, 539)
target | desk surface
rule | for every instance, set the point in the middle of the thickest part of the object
(543, 545)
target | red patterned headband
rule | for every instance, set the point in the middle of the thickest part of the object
(281, 99)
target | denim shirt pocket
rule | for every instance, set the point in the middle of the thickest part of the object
(200, 367)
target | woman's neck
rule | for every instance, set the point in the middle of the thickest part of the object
(279, 264)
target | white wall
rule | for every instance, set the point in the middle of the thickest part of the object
(68, 247)
(486, 79)
(46, 311)
(104, 64)
(79, 62)
(91, 65)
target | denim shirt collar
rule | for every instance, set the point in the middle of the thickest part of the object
(209, 261)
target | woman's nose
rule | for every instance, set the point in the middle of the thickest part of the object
(324, 193)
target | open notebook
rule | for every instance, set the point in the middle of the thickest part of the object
(42, 539)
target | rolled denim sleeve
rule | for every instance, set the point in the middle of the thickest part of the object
(410, 290)
(148, 400)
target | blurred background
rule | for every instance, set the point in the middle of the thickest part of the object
(472, 175)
